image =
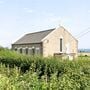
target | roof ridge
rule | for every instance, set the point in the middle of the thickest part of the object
(40, 31)
(34, 37)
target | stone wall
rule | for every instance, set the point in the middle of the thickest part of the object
(29, 49)
(51, 43)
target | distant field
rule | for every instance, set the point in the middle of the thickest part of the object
(21, 72)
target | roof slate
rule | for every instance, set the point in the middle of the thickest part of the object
(34, 37)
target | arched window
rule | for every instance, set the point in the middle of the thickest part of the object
(33, 50)
(37, 51)
(30, 51)
(61, 44)
(15, 49)
(26, 50)
(20, 50)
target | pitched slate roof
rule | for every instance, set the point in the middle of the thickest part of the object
(34, 37)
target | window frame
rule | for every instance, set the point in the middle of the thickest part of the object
(61, 44)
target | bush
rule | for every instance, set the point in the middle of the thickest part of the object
(21, 72)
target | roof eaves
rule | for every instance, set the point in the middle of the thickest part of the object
(69, 33)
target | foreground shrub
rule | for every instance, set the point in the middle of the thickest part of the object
(21, 72)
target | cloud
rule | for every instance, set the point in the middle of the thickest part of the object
(28, 10)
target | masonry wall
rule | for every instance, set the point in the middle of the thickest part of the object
(51, 44)
(28, 46)
(84, 54)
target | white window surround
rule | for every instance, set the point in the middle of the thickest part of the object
(61, 45)
(15, 47)
(37, 48)
(23, 48)
(30, 48)
(33, 47)
(19, 48)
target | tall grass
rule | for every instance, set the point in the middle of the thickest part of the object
(21, 72)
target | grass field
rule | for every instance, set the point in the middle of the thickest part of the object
(21, 72)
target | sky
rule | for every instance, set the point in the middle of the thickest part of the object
(18, 17)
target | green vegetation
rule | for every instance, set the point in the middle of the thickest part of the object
(21, 72)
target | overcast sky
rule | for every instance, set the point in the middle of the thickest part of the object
(18, 17)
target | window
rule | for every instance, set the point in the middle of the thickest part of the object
(20, 50)
(30, 51)
(15, 49)
(37, 51)
(61, 44)
(26, 50)
(33, 51)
